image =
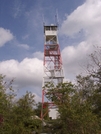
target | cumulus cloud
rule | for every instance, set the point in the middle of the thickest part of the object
(5, 36)
(39, 55)
(76, 58)
(85, 21)
(86, 17)
(26, 73)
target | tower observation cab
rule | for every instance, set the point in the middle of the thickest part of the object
(50, 34)
(53, 70)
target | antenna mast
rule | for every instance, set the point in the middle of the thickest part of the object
(57, 19)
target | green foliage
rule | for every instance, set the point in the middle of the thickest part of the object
(17, 116)
(74, 105)
(60, 93)
(38, 109)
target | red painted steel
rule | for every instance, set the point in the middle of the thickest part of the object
(53, 71)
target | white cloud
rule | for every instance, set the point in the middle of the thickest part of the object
(18, 8)
(85, 21)
(25, 46)
(75, 58)
(26, 73)
(25, 36)
(39, 55)
(86, 17)
(37, 98)
(5, 36)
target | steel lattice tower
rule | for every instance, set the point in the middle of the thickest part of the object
(53, 70)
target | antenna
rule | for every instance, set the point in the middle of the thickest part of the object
(43, 20)
(56, 18)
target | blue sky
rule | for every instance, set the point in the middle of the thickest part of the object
(24, 19)
(22, 38)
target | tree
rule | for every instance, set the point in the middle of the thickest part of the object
(17, 116)
(94, 72)
(75, 114)
(94, 66)
(38, 109)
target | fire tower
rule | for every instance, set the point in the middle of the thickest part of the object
(53, 70)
